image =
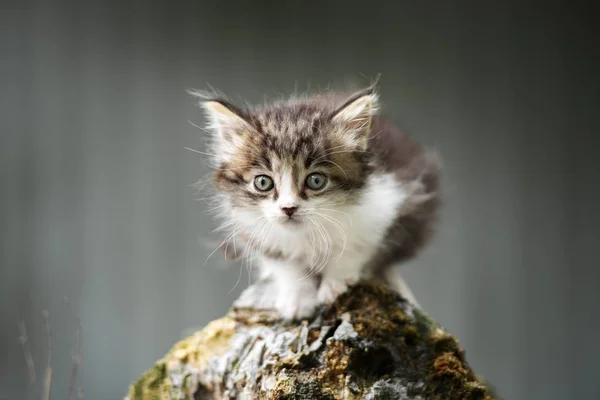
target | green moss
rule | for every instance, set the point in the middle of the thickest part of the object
(424, 322)
(152, 385)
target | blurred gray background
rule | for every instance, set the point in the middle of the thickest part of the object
(96, 203)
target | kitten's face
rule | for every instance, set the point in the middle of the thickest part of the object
(292, 163)
(290, 183)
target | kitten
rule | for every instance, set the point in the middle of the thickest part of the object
(321, 191)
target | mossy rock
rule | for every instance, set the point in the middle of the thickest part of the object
(370, 344)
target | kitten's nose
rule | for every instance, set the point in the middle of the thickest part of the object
(289, 211)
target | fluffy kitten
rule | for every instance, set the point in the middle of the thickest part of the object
(321, 191)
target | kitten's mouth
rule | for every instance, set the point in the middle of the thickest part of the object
(290, 221)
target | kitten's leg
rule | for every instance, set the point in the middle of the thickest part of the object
(339, 274)
(393, 279)
(295, 297)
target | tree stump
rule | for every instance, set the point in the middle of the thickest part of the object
(370, 344)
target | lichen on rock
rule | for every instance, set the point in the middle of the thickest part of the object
(370, 344)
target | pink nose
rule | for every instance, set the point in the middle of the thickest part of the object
(289, 211)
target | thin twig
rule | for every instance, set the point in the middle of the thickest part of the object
(48, 377)
(77, 358)
(76, 362)
(23, 339)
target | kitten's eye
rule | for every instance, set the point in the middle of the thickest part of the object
(263, 183)
(316, 181)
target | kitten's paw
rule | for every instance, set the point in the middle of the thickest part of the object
(258, 296)
(330, 289)
(296, 305)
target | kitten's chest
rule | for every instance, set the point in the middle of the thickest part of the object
(363, 226)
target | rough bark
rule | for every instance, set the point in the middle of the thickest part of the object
(370, 344)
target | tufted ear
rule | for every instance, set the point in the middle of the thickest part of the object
(224, 118)
(226, 123)
(354, 117)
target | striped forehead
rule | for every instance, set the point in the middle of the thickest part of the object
(287, 168)
(288, 137)
(290, 121)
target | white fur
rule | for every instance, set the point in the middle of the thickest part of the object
(336, 240)
(287, 196)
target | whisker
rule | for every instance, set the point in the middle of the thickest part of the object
(326, 242)
(199, 127)
(228, 169)
(204, 199)
(213, 209)
(266, 227)
(245, 250)
(215, 250)
(252, 242)
(314, 245)
(237, 282)
(331, 209)
(337, 147)
(338, 226)
(336, 204)
(227, 238)
(342, 152)
(341, 169)
(199, 152)
(313, 268)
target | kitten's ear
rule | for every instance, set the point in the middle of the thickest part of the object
(355, 116)
(224, 118)
(226, 123)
